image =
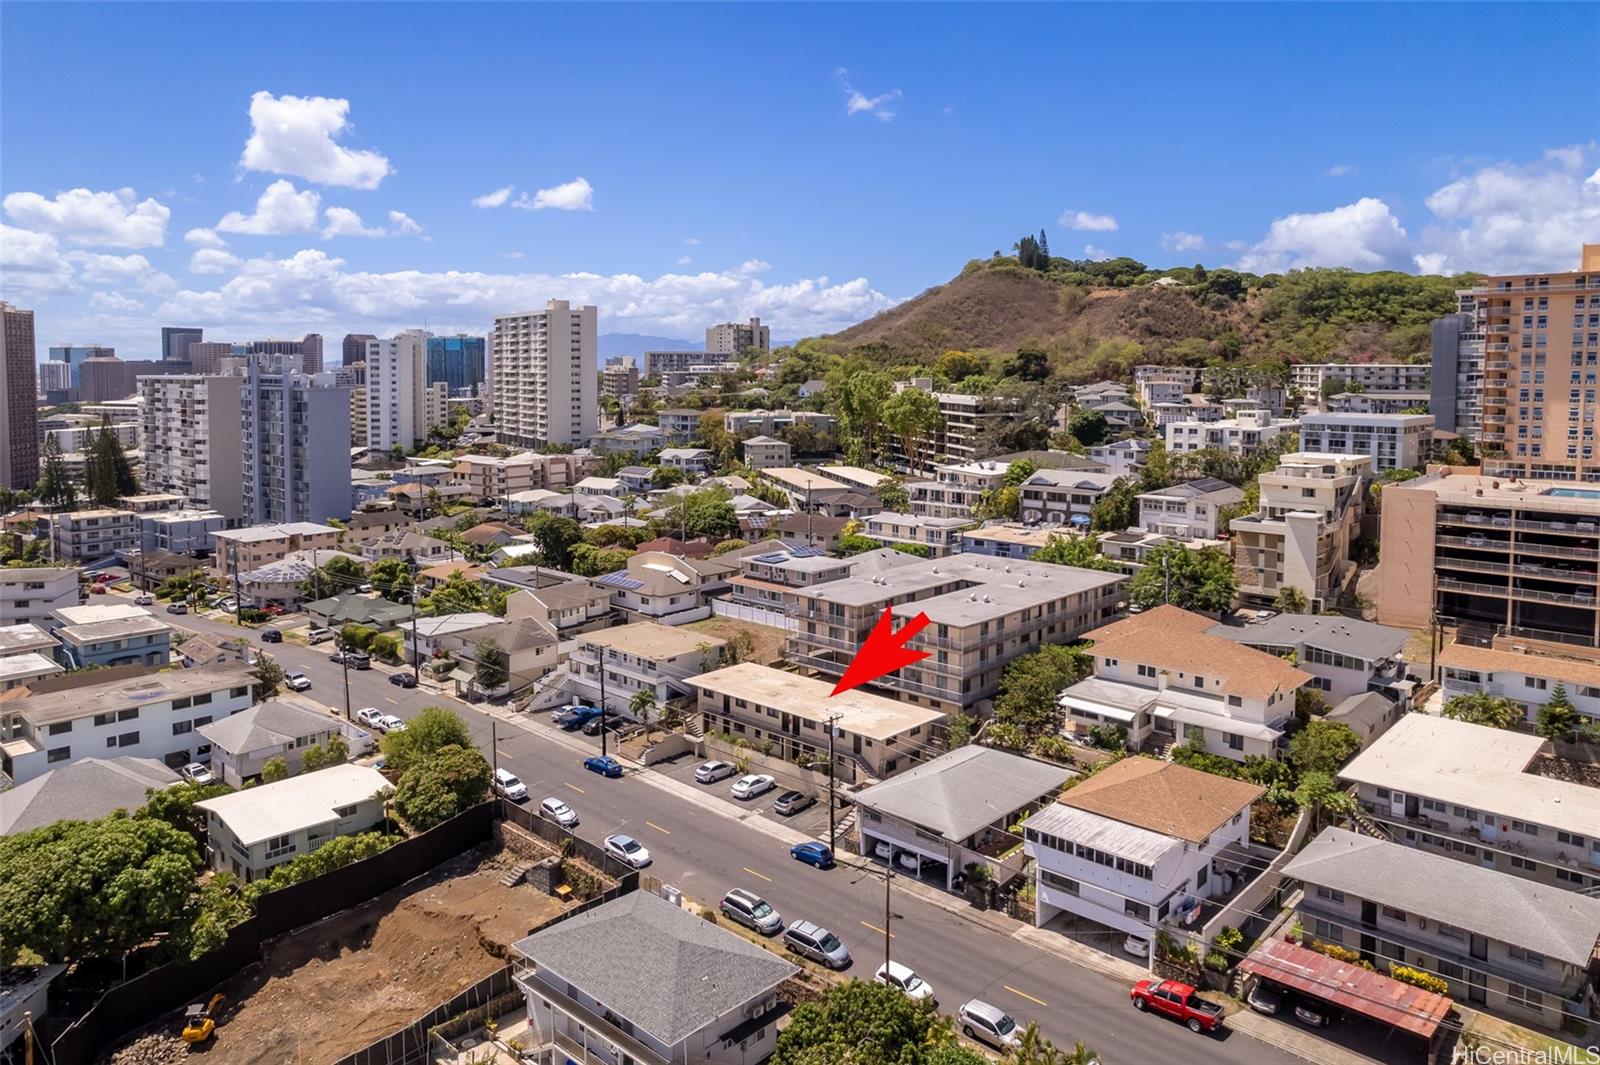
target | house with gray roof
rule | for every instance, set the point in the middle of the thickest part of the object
(357, 608)
(1346, 656)
(958, 808)
(640, 979)
(279, 728)
(1189, 510)
(1504, 943)
(81, 791)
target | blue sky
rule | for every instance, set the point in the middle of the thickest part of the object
(811, 164)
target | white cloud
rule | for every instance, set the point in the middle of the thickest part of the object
(684, 260)
(213, 261)
(691, 241)
(511, 255)
(1181, 241)
(1085, 220)
(204, 238)
(133, 270)
(754, 266)
(1505, 218)
(297, 135)
(113, 302)
(497, 198)
(575, 195)
(312, 287)
(1364, 235)
(402, 224)
(281, 210)
(31, 264)
(858, 103)
(1097, 254)
(109, 219)
(1340, 169)
(343, 222)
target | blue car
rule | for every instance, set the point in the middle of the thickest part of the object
(575, 717)
(603, 764)
(816, 854)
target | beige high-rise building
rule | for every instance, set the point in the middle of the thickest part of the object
(19, 411)
(546, 375)
(1310, 510)
(733, 339)
(401, 408)
(1541, 371)
(193, 445)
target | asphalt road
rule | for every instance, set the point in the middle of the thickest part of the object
(704, 852)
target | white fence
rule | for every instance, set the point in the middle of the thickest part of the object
(724, 608)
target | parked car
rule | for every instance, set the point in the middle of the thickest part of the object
(177, 608)
(97, 589)
(297, 682)
(603, 764)
(337, 657)
(507, 784)
(1312, 1012)
(403, 680)
(753, 784)
(144, 599)
(390, 723)
(370, 716)
(197, 773)
(1265, 998)
(883, 849)
(792, 802)
(752, 911)
(812, 853)
(358, 659)
(559, 812)
(1138, 946)
(610, 721)
(271, 636)
(627, 850)
(989, 1025)
(903, 979)
(908, 861)
(1178, 1001)
(711, 772)
(572, 718)
(817, 943)
(319, 635)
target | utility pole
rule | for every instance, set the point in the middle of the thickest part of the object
(344, 660)
(494, 747)
(601, 654)
(1166, 579)
(888, 915)
(416, 644)
(832, 824)
(236, 597)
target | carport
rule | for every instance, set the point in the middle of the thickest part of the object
(1408, 1010)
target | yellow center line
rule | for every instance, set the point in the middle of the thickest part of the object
(577, 789)
(752, 872)
(876, 929)
(658, 828)
(503, 752)
(1023, 994)
(395, 702)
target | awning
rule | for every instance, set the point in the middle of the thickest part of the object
(1187, 716)
(1349, 986)
(1115, 713)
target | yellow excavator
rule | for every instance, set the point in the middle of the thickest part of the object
(200, 1020)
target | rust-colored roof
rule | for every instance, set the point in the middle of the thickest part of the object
(1169, 638)
(1349, 986)
(1163, 797)
(1490, 660)
(444, 570)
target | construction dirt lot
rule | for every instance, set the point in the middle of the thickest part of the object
(333, 988)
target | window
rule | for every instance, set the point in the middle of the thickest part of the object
(1136, 909)
(1058, 882)
(1518, 995)
(346, 811)
(1525, 828)
(1570, 839)
(59, 727)
(180, 727)
(131, 714)
(127, 739)
(1394, 914)
(58, 754)
(1526, 957)
(1199, 682)
(1450, 931)
(1330, 895)
(1235, 741)
(1328, 933)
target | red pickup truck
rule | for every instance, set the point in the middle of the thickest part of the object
(1179, 1001)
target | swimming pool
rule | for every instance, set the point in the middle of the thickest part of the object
(1574, 493)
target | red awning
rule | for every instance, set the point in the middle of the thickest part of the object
(1349, 986)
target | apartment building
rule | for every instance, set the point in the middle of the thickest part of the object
(1063, 497)
(1310, 510)
(1529, 680)
(304, 355)
(619, 378)
(1345, 656)
(81, 437)
(1006, 539)
(32, 594)
(1310, 379)
(284, 727)
(1193, 408)
(19, 388)
(636, 440)
(1392, 441)
(805, 488)
(1504, 556)
(565, 608)
(255, 546)
(1541, 340)
(1122, 458)
(126, 641)
(1139, 845)
(192, 442)
(296, 444)
(183, 532)
(1514, 947)
(1164, 678)
(1130, 549)
(667, 588)
(873, 736)
(1189, 510)
(693, 461)
(1245, 434)
(1456, 390)
(93, 535)
(152, 715)
(955, 488)
(936, 537)
(658, 364)
(641, 657)
(1375, 402)
(765, 452)
(457, 362)
(401, 407)
(731, 339)
(982, 613)
(487, 477)
(767, 575)
(768, 422)
(546, 376)
(1492, 798)
(680, 424)
(251, 831)
(960, 436)
(1164, 384)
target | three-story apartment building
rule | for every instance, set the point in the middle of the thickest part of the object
(32, 594)
(1187, 511)
(1246, 434)
(955, 488)
(1310, 510)
(1392, 441)
(1063, 497)
(643, 656)
(937, 536)
(92, 535)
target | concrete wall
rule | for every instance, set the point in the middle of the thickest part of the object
(1406, 557)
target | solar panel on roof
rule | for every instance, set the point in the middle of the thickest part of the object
(772, 557)
(620, 580)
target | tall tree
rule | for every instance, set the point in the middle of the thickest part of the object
(858, 404)
(431, 731)
(913, 416)
(1481, 708)
(555, 536)
(1558, 719)
(435, 790)
(494, 666)
(55, 489)
(108, 476)
(1201, 580)
(1074, 549)
(859, 1023)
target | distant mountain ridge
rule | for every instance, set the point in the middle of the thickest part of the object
(638, 343)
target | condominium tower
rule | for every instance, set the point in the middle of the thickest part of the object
(733, 339)
(457, 363)
(190, 425)
(296, 443)
(546, 376)
(400, 406)
(19, 412)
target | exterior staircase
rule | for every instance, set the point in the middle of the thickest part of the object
(516, 874)
(1363, 823)
(548, 691)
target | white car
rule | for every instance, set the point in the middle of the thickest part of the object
(559, 812)
(390, 723)
(908, 861)
(989, 1024)
(627, 850)
(1138, 946)
(711, 772)
(369, 716)
(753, 784)
(144, 599)
(296, 682)
(508, 784)
(883, 849)
(197, 773)
(901, 978)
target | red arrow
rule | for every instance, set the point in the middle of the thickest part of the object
(883, 653)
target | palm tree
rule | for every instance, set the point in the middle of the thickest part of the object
(1037, 1050)
(642, 706)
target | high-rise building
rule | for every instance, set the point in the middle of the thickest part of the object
(190, 427)
(731, 338)
(308, 348)
(175, 341)
(19, 389)
(296, 443)
(1541, 371)
(355, 348)
(205, 356)
(54, 377)
(546, 376)
(456, 362)
(75, 355)
(399, 404)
